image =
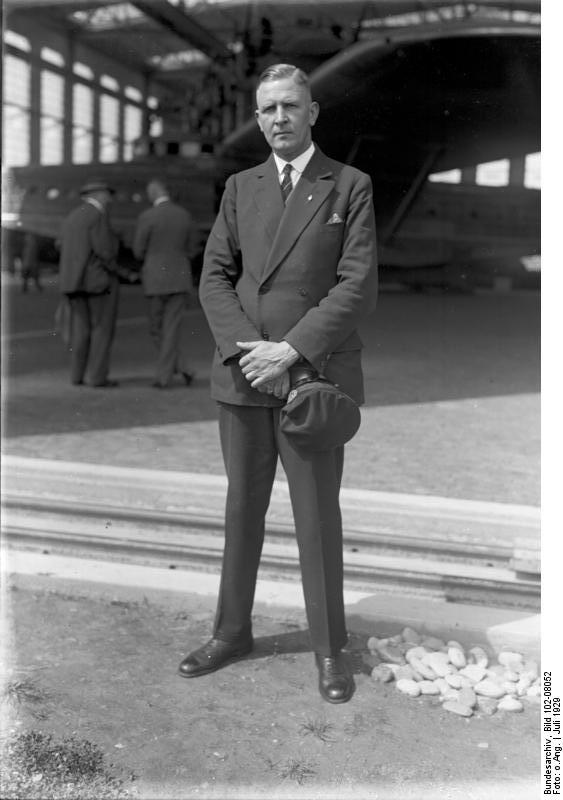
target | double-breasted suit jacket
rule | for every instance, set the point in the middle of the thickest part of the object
(163, 239)
(305, 273)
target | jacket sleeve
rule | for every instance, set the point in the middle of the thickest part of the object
(325, 327)
(222, 266)
(141, 238)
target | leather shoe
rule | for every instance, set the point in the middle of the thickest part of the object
(336, 683)
(188, 378)
(213, 655)
(107, 384)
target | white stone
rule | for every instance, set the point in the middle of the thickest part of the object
(428, 687)
(433, 643)
(450, 694)
(411, 636)
(457, 657)
(390, 665)
(439, 663)
(531, 668)
(523, 685)
(489, 688)
(454, 680)
(509, 687)
(397, 639)
(455, 707)
(453, 643)
(533, 691)
(474, 672)
(390, 652)
(422, 669)
(488, 705)
(382, 673)
(509, 703)
(442, 685)
(496, 671)
(406, 671)
(510, 675)
(415, 652)
(467, 697)
(408, 687)
(512, 660)
(372, 644)
(478, 656)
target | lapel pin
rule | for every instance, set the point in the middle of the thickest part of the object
(310, 197)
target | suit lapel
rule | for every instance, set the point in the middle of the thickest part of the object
(312, 190)
(268, 197)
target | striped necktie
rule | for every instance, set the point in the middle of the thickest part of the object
(286, 184)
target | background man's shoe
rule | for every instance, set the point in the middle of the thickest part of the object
(213, 655)
(336, 683)
(107, 384)
(188, 378)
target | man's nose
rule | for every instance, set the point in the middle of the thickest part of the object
(281, 115)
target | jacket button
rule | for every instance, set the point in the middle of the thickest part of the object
(265, 335)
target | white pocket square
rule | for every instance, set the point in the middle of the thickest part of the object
(335, 219)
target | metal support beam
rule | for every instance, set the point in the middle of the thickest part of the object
(411, 195)
(170, 17)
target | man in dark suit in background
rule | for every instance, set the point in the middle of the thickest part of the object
(289, 271)
(88, 276)
(163, 240)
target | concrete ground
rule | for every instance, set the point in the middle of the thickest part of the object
(452, 411)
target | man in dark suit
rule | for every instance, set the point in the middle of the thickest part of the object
(163, 240)
(88, 276)
(289, 270)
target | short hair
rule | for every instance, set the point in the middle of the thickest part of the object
(277, 72)
(158, 183)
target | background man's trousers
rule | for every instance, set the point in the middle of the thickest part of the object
(251, 441)
(92, 334)
(166, 312)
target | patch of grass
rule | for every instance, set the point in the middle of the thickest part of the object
(27, 692)
(319, 728)
(35, 766)
(296, 770)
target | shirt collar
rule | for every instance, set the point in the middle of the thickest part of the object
(298, 163)
(95, 203)
(159, 200)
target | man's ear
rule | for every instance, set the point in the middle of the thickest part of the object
(257, 117)
(314, 112)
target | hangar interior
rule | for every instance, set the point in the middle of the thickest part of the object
(441, 99)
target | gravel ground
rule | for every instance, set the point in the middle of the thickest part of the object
(104, 666)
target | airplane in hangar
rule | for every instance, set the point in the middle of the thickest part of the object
(408, 89)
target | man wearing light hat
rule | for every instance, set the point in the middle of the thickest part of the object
(88, 277)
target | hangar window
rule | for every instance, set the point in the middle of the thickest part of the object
(109, 83)
(450, 176)
(82, 124)
(52, 111)
(16, 116)
(109, 128)
(493, 173)
(52, 56)
(532, 171)
(133, 94)
(83, 71)
(133, 128)
(15, 40)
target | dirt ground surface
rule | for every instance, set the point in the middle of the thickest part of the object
(105, 663)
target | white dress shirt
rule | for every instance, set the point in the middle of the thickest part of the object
(298, 164)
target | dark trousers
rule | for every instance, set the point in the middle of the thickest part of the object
(92, 334)
(251, 442)
(166, 312)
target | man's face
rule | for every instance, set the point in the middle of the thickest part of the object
(285, 115)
